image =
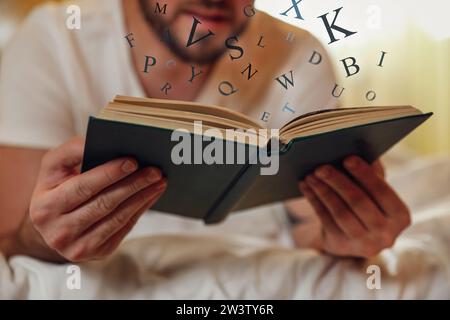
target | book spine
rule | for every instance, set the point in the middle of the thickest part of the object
(86, 165)
(235, 191)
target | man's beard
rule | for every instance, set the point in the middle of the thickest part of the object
(162, 29)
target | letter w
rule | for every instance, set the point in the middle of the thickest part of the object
(284, 80)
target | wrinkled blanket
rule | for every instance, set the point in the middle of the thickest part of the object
(251, 257)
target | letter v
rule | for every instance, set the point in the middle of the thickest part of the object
(191, 40)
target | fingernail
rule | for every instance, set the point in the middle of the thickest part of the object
(351, 163)
(129, 166)
(154, 175)
(323, 172)
(161, 186)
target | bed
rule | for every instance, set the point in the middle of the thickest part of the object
(169, 258)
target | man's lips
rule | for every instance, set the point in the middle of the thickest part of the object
(215, 16)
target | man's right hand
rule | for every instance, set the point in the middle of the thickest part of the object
(77, 216)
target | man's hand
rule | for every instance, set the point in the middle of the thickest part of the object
(78, 217)
(358, 217)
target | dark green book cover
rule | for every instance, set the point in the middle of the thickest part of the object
(211, 192)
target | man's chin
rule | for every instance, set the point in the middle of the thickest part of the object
(198, 53)
(200, 58)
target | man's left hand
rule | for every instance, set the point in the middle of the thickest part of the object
(359, 217)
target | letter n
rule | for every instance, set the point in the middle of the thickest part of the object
(250, 74)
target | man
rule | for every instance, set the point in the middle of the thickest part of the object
(213, 51)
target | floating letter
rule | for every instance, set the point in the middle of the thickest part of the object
(232, 47)
(383, 54)
(148, 64)
(347, 66)
(160, 10)
(249, 73)
(295, 7)
(166, 88)
(286, 80)
(265, 116)
(130, 39)
(230, 89)
(334, 92)
(194, 75)
(191, 40)
(316, 58)
(333, 26)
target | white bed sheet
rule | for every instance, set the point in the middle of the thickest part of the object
(250, 257)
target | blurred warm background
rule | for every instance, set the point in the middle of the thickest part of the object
(415, 34)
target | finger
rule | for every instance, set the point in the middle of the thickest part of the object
(88, 246)
(63, 238)
(342, 216)
(355, 198)
(377, 166)
(327, 221)
(114, 241)
(77, 190)
(112, 198)
(56, 162)
(99, 233)
(111, 245)
(386, 198)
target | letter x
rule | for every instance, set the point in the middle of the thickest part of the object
(295, 7)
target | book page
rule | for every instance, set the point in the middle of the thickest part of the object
(216, 111)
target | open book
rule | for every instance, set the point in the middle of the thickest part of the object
(214, 158)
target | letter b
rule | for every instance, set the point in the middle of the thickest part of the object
(348, 67)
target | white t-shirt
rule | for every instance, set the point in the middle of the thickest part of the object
(52, 78)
